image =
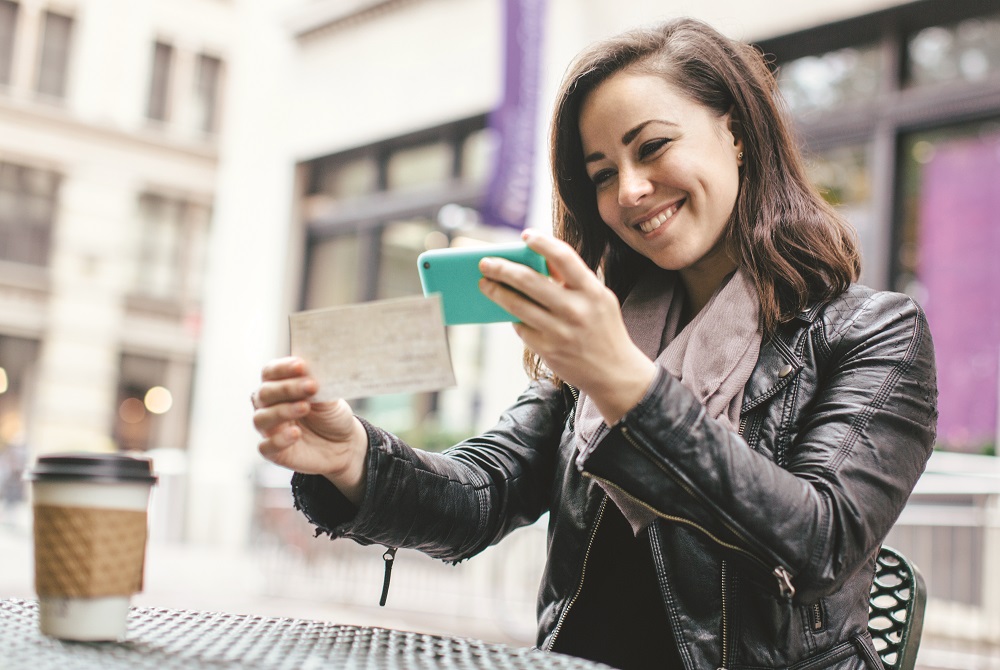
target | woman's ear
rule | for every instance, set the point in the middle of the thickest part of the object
(736, 130)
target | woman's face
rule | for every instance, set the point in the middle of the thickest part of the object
(665, 170)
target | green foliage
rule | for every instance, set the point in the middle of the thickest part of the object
(431, 438)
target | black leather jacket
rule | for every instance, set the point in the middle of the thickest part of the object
(765, 540)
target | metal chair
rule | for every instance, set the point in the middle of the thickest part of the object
(896, 609)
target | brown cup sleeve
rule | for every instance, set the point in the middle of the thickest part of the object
(83, 552)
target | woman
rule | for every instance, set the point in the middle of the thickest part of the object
(723, 426)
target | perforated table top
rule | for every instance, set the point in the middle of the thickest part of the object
(168, 639)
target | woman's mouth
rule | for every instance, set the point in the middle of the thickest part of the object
(652, 223)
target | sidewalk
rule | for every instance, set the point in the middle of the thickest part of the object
(181, 576)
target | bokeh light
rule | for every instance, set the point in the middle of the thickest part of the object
(159, 400)
(132, 410)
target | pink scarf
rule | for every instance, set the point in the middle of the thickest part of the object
(712, 356)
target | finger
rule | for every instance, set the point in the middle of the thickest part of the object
(284, 391)
(284, 368)
(563, 262)
(518, 281)
(272, 446)
(268, 420)
(535, 309)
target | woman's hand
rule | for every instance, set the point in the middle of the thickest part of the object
(573, 322)
(322, 438)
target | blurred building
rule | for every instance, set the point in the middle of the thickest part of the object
(177, 176)
(110, 114)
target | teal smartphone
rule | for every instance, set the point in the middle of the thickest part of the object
(454, 274)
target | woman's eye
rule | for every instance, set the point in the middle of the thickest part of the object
(602, 176)
(651, 147)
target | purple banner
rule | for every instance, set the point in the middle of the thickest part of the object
(960, 272)
(509, 192)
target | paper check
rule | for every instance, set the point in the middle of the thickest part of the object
(374, 348)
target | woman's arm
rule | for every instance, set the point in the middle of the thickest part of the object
(854, 453)
(449, 505)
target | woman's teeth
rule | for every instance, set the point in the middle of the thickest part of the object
(652, 224)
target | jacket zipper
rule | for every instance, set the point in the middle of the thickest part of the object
(389, 556)
(817, 616)
(583, 573)
(781, 573)
(725, 611)
(725, 627)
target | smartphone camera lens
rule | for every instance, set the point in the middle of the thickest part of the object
(427, 265)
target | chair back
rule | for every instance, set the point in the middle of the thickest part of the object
(896, 609)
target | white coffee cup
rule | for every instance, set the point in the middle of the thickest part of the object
(90, 530)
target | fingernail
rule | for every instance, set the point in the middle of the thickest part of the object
(487, 264)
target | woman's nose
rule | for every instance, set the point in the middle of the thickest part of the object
(632, 187)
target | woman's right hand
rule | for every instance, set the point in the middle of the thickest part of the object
(322, 438)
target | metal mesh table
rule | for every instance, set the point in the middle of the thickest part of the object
(167, 639)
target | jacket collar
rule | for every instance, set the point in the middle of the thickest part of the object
(777, 365)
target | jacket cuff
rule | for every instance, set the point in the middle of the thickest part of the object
(322, 503)
(325, 506)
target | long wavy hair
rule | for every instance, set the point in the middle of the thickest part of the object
(782, 232)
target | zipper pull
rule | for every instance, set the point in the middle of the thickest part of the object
(389, 556)
(785, 587)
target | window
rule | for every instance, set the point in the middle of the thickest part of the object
(965, 51)
(8, 28)
(830, 80)
(420, 166)
(899, 113)
(157, 106)
(172, 237)
(27, 211)
(145, 403)
(949, 243)
(53, 60)
(207, 92)
(369, 213)
(18, 357)
(843, 175)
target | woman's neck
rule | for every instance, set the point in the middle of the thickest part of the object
(702, 280)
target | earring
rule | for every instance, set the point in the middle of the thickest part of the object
(739, 156)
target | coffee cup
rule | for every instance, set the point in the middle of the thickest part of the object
(90, 528)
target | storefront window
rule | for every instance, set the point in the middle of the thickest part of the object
(478, 155)
(146, 405)
(334, 266)
(369, 212)
(948, 245)
(402, 242)
(830, 80)
(420, 166)
(347, 179)
(843, 175)
(964, 51)
(18, 357)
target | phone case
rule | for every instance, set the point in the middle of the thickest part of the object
(454, 273)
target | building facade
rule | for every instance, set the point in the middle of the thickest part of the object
(177, 177)
(110, 114)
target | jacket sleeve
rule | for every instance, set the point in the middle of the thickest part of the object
(454, 504)
(857, 446)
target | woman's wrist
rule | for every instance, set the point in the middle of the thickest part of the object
(351, 479)
(623, 391)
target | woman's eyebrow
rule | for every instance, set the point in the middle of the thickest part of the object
(631, 134)
(628, 137)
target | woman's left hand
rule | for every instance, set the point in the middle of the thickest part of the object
(573, 322)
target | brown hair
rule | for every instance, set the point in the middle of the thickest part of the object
(792, 242)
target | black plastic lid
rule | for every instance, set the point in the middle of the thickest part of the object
(92, 467)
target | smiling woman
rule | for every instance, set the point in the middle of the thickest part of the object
(665, 186)
(714, 402)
